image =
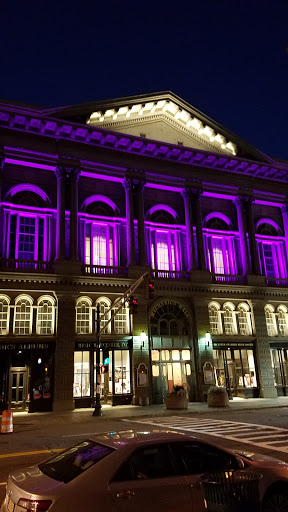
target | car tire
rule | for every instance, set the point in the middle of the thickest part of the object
(276, 501)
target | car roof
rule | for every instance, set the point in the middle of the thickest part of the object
(137, 437)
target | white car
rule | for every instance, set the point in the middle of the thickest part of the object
(131, 471)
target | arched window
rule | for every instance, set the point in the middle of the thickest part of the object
(23, 315)
(100, 233)
(230, 325)
(270, 320)
(27, 232)
(219, 241)
(169, 320)
(244, 319)
(83, 316)
(215, 318)
(4, 314)
(282, 320)
(271, 247)
(105, 305)
(45, 315)
(163, 238)
(121, 321)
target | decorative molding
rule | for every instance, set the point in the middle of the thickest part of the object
(135, 145)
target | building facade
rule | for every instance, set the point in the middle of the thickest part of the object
(95, 196)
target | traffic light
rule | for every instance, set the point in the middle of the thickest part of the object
(133, 304)
(150, 289)
(104, 368)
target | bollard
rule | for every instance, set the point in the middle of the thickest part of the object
(7, 422)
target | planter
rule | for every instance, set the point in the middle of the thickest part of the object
(174, 401)
(217, 397)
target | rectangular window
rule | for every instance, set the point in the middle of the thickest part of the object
(100, 255)
(121, 321)
(122, 372)
(81, 386)
(162, 251)
(99, 244)
(26, 240)
(269, 260)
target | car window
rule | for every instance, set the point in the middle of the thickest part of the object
(146, 463)
(197, 458)
(71, 463)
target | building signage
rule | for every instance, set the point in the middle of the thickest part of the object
(232, 344)
(92, 345)
(169, 302)
(24, 346)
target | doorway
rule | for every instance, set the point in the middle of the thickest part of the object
(18, 389)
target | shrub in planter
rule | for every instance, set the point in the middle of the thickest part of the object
(217, 397)
(177, 398)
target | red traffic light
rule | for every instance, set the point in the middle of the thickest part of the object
(133, 304)
(104, 368)
(150, 289)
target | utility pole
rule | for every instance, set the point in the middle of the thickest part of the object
(97, 408)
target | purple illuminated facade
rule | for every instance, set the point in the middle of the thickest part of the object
(95, 195)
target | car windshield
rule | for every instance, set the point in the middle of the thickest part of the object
(73, 462)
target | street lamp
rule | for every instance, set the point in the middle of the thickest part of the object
(97, 407)
(207, 338)
(143, 338)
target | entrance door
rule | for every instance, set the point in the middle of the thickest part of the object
(280, 364)
(18, 389)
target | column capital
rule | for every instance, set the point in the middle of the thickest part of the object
(60, 172)
(139, 183)
(73, 173)
(244, 201)
(128, 183)
(284, 208)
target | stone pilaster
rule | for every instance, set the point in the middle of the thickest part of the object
(73, 174)
(60, 225)
(139, 188)
(128, 186)
(240, 206)
(197, 215)
(64, 354)
(188, 206)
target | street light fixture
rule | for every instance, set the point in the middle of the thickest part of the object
(143, 338)
(207, 338)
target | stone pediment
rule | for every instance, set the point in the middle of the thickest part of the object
(161, 117)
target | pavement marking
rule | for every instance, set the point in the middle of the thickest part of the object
(21, 454)
(249, 433)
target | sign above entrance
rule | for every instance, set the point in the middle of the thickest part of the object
(25, 346)
(232, 344)
(92, 345)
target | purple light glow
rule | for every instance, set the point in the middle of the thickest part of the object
(25, 163)
(218, 215)
(219, 196)
(16, 207)
(91, 217)
(87, 174)
(23, 187)
(98, 197)
(164, 187)
(164, 207)
(271, 222)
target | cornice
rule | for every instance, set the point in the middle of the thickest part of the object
(113, 141)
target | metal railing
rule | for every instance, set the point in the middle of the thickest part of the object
(171, 274)
(276, 281)
(26, 265)
(104, 270)
(228, 278)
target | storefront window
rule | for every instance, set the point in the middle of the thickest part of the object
(155, 355)
(237, 365)
(186, 355)
(155, 370)
(122, 372)
(175, 355)
(81, 386)
(165, 355)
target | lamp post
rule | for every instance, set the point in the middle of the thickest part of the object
(97, 407)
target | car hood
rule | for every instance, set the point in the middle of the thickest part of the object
(258, 457)
(33, 481)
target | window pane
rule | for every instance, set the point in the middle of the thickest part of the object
(4, 317)
(217, 250)
(155, 355)
(23, 317)
(268, 260)
(81, 386)
(152, 462)
(122, 371)
(186, 355)
(45, 317)
(26, 241)
(162, 251)
(83, 317)
(99, 245)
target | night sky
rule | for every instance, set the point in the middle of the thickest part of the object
(228, 58)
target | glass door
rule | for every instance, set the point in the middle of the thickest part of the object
(18, 389)
(279, 364)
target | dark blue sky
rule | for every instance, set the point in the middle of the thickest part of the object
(228, 58)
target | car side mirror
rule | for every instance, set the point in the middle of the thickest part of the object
(240, 463)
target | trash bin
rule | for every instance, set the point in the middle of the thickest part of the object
(231, 491)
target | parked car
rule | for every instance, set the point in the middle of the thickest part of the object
(130, 471)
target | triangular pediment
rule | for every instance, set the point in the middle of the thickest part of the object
(161, 117)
